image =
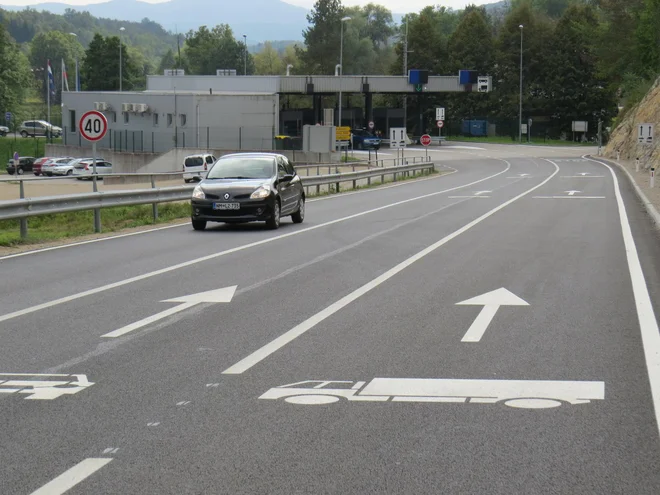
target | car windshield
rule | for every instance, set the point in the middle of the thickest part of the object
(243, 168)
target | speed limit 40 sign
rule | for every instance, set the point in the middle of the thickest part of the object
(93, 125)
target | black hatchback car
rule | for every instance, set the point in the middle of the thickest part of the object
(249, 187)
(20, 166)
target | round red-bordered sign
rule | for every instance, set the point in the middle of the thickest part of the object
(440, 124)
(93, 125)
(425, 140)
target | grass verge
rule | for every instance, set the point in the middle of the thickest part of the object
(68, 225)
(508, 140)
(71, 225)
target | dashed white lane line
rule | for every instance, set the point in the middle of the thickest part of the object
(243, 247)
(70, 478)
(300, 329)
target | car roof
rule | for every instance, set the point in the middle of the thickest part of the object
(253, 155)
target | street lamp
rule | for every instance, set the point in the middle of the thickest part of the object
(77, 77)
(121, 78)
(341, 62)
(521, 86)
(245, 62)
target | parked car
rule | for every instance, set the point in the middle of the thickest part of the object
(36, 128)
(24, 164)
(47, 167)
(38, 163)
(195, 167)
(365, 140)
(249, 187)
(84, 169)
(4, 130)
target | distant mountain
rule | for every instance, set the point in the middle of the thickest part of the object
(260, 20)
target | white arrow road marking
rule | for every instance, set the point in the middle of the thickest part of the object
(583, 173)
(572, 193)
(479, 193)
(69, 479)
(223, 295)
(287, 337)
(491, 302)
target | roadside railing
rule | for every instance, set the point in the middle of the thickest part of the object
(25, 207)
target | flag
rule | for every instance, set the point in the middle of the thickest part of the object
(65, 77)
(51, 80)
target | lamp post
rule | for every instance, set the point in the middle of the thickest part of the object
(341, 63)
(521, 87)
(245, 55)
(77, 77)
(121, 78)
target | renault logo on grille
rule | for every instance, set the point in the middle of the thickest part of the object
(226, 195)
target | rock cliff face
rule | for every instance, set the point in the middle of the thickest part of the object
(624, 137)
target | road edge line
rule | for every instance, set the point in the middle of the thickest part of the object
(648, 324)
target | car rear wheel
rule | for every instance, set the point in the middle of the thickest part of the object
(199, 224)
(299, 216)
(274, 221)
(20, 171)
(69, 172)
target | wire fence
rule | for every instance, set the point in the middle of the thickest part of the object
(162, 140)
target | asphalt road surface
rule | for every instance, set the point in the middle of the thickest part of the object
(488, 331)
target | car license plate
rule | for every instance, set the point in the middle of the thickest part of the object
(226, 206)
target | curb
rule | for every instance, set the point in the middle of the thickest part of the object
(650, 209)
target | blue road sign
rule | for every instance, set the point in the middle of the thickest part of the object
(8, 116)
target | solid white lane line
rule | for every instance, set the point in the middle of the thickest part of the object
(187, 223)
(284, 339)
(582, 176)
(70, 478)
(195, 261)
(648, 324)
(568, 197)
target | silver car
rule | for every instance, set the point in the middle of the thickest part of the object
(48, 167)
(3, 130)
(84, 169)
(36, 128)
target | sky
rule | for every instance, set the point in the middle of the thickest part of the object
(396, 6)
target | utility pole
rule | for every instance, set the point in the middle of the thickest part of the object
(521, 88)
(405, 73)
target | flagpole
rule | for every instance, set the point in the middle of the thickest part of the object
(48, 88)
(77, 77)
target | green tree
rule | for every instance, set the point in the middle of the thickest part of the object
(168, 61)
(573, 86)
(206, 51)
(15, 76)
(648, 39)
(100, 70)
(290, 57)
(268, 62)
(56, 46)
(322, 38)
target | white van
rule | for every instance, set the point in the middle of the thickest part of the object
(195, 167)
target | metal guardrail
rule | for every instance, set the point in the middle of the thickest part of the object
(28, 207)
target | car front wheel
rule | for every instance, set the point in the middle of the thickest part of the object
(24, 134)
(274, 221)
(19, 171)
(299, 216)
(199, 224)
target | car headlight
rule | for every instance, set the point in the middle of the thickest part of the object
(261, 192)
(198, 193)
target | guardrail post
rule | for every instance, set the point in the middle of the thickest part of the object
(97, 211)
(24, 224)
(354, 184)
(154, 206)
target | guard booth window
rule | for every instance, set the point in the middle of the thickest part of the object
(169, 120)
(72, 120)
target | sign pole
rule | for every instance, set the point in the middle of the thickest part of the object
(97, 211)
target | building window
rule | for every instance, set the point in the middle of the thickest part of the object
(155, 120)
(114, 116)
(72, 120)
(182, 116)
(169, 120)
(125, 117)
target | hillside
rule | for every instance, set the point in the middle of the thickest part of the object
(260, 20)
(152, 39)
(624, 137)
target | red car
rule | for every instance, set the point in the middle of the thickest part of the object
(36, 167)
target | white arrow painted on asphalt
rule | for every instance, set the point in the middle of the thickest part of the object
(491, 302)
(583, 173)
(223, 295)
(572, 193)
(478, 193)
